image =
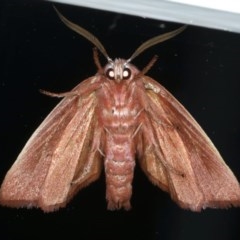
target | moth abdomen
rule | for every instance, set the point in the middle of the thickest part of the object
(119, 177)
(119, 166)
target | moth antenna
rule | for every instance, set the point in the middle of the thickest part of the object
(155, 40)
(96, 60)
(89, 36)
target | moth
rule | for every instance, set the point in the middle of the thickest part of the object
(108, 121)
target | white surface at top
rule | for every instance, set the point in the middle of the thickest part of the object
(217, 14)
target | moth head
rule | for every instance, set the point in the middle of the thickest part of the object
(120, 70)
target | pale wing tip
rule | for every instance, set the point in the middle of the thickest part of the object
(211, 204)
(21, 203)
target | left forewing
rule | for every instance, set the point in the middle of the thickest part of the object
(58, 159)
(192, 170)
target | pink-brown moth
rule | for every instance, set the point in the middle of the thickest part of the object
(109, 120)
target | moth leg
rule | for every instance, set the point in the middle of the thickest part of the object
(96, 60)
(149, 66)
(59, 95)
(85, 89)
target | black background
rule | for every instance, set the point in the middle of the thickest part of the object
(200, 67)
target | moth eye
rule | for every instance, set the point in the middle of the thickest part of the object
(126, 73)
(110, 73)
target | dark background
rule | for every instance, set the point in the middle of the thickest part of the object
(200, 67)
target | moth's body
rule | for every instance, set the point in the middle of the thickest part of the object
(119, 118)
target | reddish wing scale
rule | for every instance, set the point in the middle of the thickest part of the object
(57, 160)
(181, 159)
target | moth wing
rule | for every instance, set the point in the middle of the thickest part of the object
(58, 159)
(181, 159)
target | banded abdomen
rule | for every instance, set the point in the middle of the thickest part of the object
(118, 116)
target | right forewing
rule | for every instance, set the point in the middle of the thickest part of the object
(180, 158)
